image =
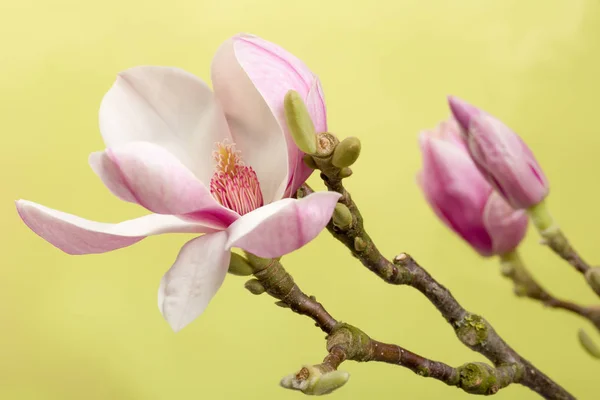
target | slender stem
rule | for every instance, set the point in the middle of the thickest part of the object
(554, 237)
(346, 342)
(472, 330)
(525, 284)
(280, 284)
(541, 217)
(334, 359)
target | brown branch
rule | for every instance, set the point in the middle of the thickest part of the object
(558, 242)
(472, 330)
(334, 359)
(554, 238)
(346, 342)
(280, 284)
(525, 285)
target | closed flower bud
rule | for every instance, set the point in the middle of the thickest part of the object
(588, 344)
(255, 287)
(311, 381)
(346, 153)
(345, 172)
(503, 158)
(300, 123)
(342, 217)
(461, 197)
(238, 265)
(359, 244)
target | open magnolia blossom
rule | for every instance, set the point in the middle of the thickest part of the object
(222, 164)
(462, 198)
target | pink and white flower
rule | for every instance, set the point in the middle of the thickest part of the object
(220, 163)
(460, 196)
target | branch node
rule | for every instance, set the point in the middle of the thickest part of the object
(472, 330)
(352, 341)
(480, 378)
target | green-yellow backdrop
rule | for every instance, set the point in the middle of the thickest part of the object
(88, 327)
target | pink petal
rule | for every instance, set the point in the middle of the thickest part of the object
(455, 189)
(266, 72)
(447, 165)
(194, 279)
(75, 235)
(463, 112)
(151, 176)
(506, 226)
(255, 130)
(283, 226)
(107, 171)
(274, 71)
(507, 161)
(166, 106)
(315, 103)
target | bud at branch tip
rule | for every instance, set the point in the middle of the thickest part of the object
(311, 381)
(346, 152)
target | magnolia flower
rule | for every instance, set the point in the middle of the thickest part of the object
(221, 164)
(460, 196)
(503, 158)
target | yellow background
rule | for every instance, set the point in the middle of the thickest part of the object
(88, 327)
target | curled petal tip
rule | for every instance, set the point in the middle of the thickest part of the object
(463, 112)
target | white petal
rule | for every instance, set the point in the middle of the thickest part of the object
(166, 106)
(193, 280)
(109, 173)
(75, 235)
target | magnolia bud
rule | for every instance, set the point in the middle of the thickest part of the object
(300, 123)
(311, 381)
(238, 265)
(592, 276)
(506, 161)
(359, 244)
(345, 172)
(588, 345)
(462, 198)
(254, 286)
(346, 153)
(520, 290)
(342, 217)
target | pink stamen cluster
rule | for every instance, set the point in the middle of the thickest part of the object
(234, 184)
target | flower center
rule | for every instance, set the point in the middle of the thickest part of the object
(234, 184)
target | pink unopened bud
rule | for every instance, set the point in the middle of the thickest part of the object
(503, 158)
(462, 198)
